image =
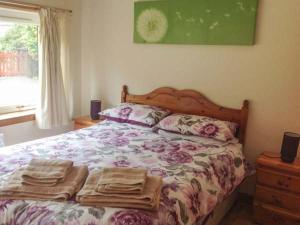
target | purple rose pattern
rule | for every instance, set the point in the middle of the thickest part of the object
(166, 200)
(39, 213)
(125, 112)
(4, 205)
(199, 126)
(190, 146)
(136, 114)
(122, 163)
(117, 141)
(209, 130)
(223, 169)
(160, 145)
(168, 217)
(131, 217)
(158, 172)
(176, 157)
(183, 164)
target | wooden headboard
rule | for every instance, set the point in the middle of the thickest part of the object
(191, 102)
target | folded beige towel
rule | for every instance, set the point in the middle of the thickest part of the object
(50, 162)
(14, 189)
(149, 200)
(122, 180)
(46, 173)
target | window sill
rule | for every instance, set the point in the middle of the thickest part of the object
(17, 117)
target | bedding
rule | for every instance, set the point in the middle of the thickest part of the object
(199, 126)
(137, 114)
(197, 175)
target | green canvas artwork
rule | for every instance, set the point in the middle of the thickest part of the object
(214, 22)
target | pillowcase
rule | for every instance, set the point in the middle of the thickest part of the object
(136, 114)
(199, 125)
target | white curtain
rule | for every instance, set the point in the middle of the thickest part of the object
(53, 110)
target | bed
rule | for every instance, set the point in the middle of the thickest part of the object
(200, 175)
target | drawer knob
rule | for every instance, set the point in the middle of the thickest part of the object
(276, 200)
(284, 184)
(280, 183)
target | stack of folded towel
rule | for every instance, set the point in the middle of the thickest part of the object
(45, 180)
(122, 181)
(46, 173)
(121, 187)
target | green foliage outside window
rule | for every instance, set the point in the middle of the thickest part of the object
(21, 38)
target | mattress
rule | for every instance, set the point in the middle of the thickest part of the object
(198, 174)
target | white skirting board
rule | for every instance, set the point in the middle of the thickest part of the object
(222, 209)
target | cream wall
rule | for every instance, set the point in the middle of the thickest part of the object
(28, 131)
(268, 73)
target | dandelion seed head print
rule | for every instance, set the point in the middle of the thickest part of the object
(209, 22)
(152, 25)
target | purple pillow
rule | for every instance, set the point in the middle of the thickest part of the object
(136, 114)
(200, 126)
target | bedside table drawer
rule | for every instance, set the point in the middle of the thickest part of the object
(278, 180)
(278, 198)
(269, 215)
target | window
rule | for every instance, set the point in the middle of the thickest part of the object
(18, 61)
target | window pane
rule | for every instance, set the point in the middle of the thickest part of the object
(18, 64)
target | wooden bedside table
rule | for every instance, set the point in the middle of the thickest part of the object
(277, 197)
(85, 121)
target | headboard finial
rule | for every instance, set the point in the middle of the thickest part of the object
(246, 104)
(124, 93)
(244, 120)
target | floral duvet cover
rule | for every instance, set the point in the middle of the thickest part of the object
(198, 173)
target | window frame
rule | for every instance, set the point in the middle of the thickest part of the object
(18, 17)
(16, 108)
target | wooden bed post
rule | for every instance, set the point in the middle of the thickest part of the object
(244, 120)
(124, 93)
